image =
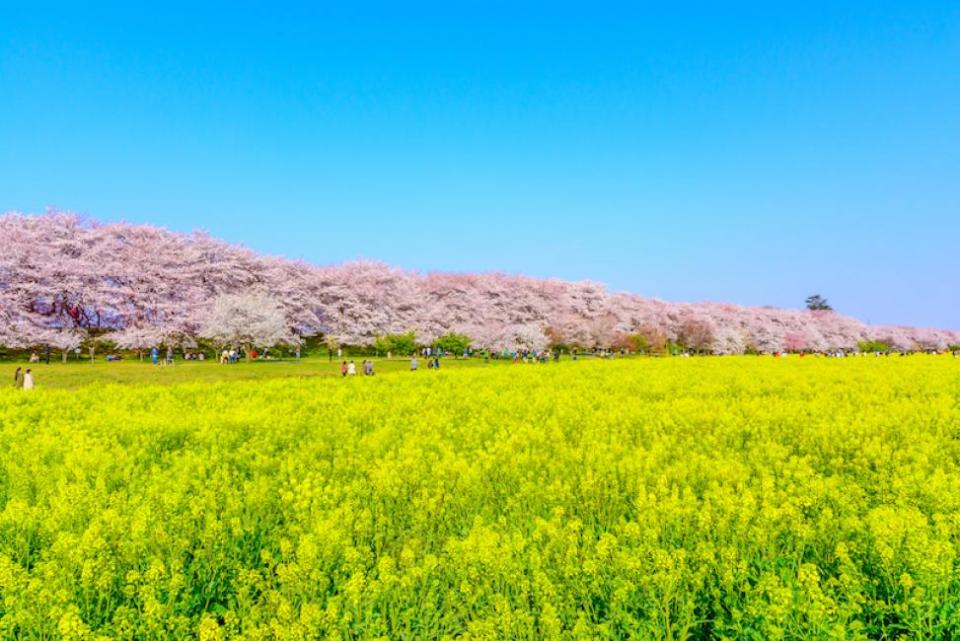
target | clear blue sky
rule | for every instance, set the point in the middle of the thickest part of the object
(749, 153)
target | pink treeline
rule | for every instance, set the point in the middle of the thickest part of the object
(62, 277)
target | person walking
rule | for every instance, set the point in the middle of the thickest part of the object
(28, 379)
(18, 378)
(436, 362)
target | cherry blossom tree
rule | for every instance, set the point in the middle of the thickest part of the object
(144, 285)
(247, 321)
(136, 338)
(65, 340)
(697, 334)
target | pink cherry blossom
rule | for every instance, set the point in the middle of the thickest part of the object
(63, 277)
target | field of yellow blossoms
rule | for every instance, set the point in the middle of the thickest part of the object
(732, 497)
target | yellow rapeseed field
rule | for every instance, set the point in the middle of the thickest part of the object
(733, 497)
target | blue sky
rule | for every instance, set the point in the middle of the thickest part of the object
(749, 153)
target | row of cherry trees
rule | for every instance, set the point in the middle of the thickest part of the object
(63, 278)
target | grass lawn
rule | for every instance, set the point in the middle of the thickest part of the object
(75, 374)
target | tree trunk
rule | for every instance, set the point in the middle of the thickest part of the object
(64, 356)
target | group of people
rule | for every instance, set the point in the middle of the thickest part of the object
(433, 362)
(23, 379)
(155, 356)
(350, 369)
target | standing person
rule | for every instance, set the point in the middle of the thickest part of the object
(169, 356)
(154, 355)
(436, 362)
(343, 368)
(352, 369)
(18, 378)
(414, 363)
(339, 353)
(28, 380)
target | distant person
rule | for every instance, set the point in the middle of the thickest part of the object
(368, 368)
(201, 357)
(436, 362)
(28, 379)
(34, 357)
(18, 378)
(414, 363)
(343, 368)
(169, 356)
(352, 369)
(155, 356)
